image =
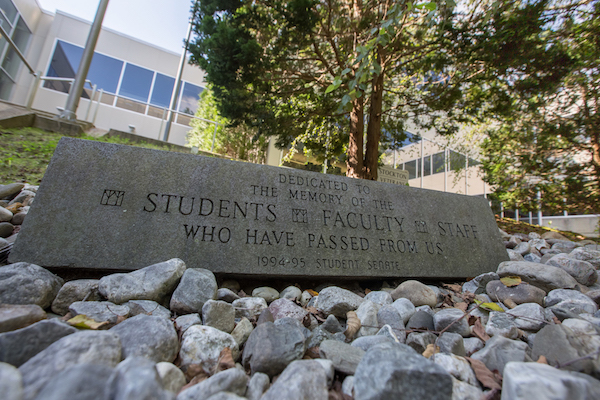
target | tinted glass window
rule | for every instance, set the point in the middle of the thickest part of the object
(162, 91)
(457, 161)
(64, 64)
(411, 167)
(427, 166)
(136, 83)
(105, 72)
(438, 162)
(20, 36)
(9, 10)
(189, 98)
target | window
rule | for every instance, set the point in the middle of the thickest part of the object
(9, 9)
(189, 98)
(426, 165)
(11, 63)
(438, 161)
(457, 161)
(163, 89)
(411, 167)
(473, 162)
(20, 37)
(136, 83)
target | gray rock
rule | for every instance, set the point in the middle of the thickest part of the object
(219, 314)
(249, 307)
(582, 271)
(388, 371)
(16, 347)
(24, 283)
(570, 300)
(227, 295)
(242, 331)
(303, 379)
(332, 324)
(366, 342)
(522, 293)
(525, 381)
(259, 383)
(501, 324)
(137, 378)
(231, 380)
(82, 382)
(154, 282)
(72, 291)
(514, 256)
(367, 314)
(203, 345)
(586, 254)
(563, 245)
(100, 311)
(196, 287)
(97, 347)
(291, 293)
(532, 258)
(421, 320)
(379, 297)
(522, 248)
(6, 229)
(472, 345)
(5, 215)
(463, 391)
(452, 343)
(147, 307)
(478, 284)
(529, 316)
(348, 386)
(171, 377)
(23, 197)
(559, 344)
(448, 316)
(420, 341)
(318, 335)
(418, 293)
(225, 396)
(147, 336)
(545, 277)
(18, 218)
(388, 332)
(305, 298)
(389, 315)
(337, 301)
(270, 348)
(457, 366)
(345, 357)
(500, 350)
(185, 321)
(267, 293)
(10, 189)
(13, 317)
(11, 382)
(405, 307)
(282, 308)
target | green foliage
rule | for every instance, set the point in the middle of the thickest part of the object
(240, 142)
(549, 140)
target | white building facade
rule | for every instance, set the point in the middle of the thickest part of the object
(130, 82)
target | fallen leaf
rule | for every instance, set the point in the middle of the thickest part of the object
(484, 375)
(542, 360)
(318, 314)
(195, 380)
(453, 286)
(82, 321)
(312, 292)
(429, 350)
(312, 352)
(225, 360)
(121, 318)
(489, 306)
(479, 330)
(511, 281)
(191, 371)
(14, 208)
(510, 303)
(353, 325)
(462, 306)
(367, 291)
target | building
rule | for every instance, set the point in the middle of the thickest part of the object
(130, 82)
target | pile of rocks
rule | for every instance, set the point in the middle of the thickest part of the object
(169, 331)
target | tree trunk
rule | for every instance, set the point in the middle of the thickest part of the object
(355, 161)
(374, 129)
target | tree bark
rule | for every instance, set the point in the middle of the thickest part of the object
(355, 162)
(374, 129)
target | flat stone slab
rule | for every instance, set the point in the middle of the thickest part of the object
(107, 206)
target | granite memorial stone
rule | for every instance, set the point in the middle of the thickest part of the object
(108, 206)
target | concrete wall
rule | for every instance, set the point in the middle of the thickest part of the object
(586, 225)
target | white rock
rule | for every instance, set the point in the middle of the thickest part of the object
(457, 366)
(249, 307)
(203, 345)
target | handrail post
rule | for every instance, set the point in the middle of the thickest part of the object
(34, 89)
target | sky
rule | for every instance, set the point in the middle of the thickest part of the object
(160, 22)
